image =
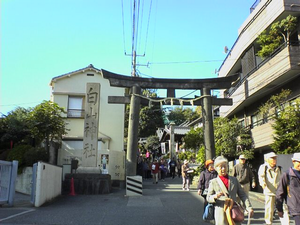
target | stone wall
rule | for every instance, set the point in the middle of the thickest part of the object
(87, 183)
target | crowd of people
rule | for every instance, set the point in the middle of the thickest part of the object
(159, 169)
(281, 189)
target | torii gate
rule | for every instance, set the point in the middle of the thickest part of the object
(206, 101)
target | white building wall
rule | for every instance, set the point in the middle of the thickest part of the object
(111, 119)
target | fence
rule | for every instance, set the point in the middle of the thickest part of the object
(8, 175)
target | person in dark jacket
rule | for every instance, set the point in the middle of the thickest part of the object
(244, 174)
(288, 190)
(205, 176)
(172, 165)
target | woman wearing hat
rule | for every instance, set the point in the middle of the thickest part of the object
(223, 189)
(205, 176)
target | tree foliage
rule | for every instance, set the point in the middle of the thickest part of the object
(150, 120)
(47, 122)
(152, 144)
(279, 31)
(28, 128)
(287, 129)
(286, 122)
(231, 139)
(275, 101)
(194, 139)
(15, 127)
(180, 115)
(226, 133)
(150, 117)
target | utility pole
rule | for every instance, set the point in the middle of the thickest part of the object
(134, 113)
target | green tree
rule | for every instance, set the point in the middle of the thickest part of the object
(150, 120)
(47, 123)
(286, 122)
(226, 136)
(275, 101)
(279, 31)
(152, 144)
(194, 139)
(231, 140)
(180, 115)
(287, 129)
(14, 128)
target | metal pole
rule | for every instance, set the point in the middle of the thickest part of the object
(133, 126)
(208, 128)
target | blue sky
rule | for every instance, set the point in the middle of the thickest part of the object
(44, 39)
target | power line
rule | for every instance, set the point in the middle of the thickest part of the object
(123, 23)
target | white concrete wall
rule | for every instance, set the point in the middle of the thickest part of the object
(23, 182)
(48, 183)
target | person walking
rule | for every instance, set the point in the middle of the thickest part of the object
(205, 176)
(288, 190)
(172, 165)
(145, 168)
(163, 170)
(185, 177)
(221, 198)
(155, 170)
(178, 168)
(244, 174)
(269, 176)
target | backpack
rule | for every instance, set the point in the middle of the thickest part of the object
(266, 167)
(153, 166)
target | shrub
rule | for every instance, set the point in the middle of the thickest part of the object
(17, 153)
(34, 155)
(27, 155)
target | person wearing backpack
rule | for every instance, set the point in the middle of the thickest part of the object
(172, 165)
(269, 176)
(155, 170)
(288, 190)
(205, 176)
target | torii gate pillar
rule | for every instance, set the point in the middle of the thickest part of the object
(133, 127)
(208, 127)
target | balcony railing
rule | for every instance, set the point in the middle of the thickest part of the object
(229, 92)
(254, 5)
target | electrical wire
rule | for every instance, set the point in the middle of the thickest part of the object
(123, 24)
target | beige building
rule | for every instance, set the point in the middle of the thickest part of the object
(97, 144)
(261, 78)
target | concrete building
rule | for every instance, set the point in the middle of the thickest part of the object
(106, 155)
(261, 78)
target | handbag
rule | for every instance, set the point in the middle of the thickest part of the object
(237, 213)
(209, 212)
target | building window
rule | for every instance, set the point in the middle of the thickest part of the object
(76, 107)
(242, 123)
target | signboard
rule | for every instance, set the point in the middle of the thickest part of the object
(91, 123)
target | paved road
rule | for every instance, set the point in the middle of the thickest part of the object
(163, 203)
